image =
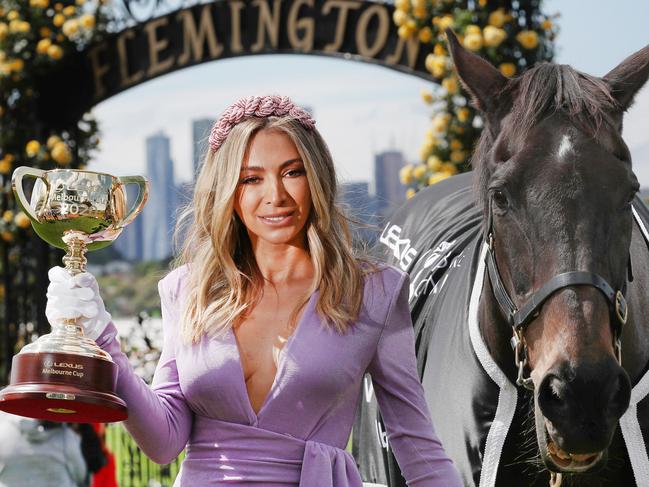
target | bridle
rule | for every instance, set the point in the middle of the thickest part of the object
(520, 318)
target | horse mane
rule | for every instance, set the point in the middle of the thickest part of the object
(542, 91)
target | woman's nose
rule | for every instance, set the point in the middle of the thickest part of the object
(276, 192)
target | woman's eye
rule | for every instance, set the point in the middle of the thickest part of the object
(295, 172)
(249, 180)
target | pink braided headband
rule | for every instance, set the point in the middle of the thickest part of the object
(256, 106)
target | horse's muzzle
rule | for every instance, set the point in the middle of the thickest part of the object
(577, 410)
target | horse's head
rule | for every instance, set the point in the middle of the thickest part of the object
(556, 182)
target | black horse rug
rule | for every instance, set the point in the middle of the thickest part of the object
(437, 238)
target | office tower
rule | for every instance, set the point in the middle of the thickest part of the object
(361, 208)
(389, 191)
(159, 214)
(130, 243)
(200, 135)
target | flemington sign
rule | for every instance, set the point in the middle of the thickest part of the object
(349, 29)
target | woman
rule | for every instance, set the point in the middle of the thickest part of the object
(270, 323)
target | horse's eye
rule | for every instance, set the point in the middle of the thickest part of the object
(500, 199)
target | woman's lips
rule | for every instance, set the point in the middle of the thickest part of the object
(277, 219)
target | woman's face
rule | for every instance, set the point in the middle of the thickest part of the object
(273, 199)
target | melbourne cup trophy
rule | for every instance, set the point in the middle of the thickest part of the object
(64, 375)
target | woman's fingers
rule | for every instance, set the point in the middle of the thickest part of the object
(58, 289)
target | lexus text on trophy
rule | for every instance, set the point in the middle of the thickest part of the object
(64, 375)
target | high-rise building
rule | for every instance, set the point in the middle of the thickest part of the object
(130, 243)
(388, 189)
(361, 208)
(159, 214)
(200, 136)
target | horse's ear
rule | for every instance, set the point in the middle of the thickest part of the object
(628, 77)
(481, 79)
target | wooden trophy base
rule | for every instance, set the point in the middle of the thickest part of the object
(65, 387)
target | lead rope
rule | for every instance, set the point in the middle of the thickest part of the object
(555, 479)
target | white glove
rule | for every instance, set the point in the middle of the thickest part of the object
(76, 297)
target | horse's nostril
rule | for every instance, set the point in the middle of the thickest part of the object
(551, 396)
(621, 394)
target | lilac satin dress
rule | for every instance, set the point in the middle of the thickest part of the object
(199, 400)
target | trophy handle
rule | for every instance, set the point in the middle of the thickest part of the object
(17, 184)
(142, 196)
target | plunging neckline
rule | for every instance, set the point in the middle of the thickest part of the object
(280, 363)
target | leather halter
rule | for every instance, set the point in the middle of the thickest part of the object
(520, 318)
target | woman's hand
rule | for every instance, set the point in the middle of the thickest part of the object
(76, 297)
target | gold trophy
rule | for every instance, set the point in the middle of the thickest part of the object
(65, 376)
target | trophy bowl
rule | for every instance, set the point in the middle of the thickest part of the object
(64, 375)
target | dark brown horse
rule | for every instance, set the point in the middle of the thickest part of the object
(563, 305)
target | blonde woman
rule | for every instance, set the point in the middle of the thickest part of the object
(270, 323)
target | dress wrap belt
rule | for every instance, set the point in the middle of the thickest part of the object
(221, 452)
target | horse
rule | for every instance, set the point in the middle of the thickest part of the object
(529, 282)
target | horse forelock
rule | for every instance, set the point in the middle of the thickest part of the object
(546, 89)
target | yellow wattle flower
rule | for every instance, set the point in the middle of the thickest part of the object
(12, 15)
(472, 29)
(58, 20)
(5, 166)
(410, 192)
(507, 69)
(546, 24)
(437, 177)
(403, 5)
(439, 50)
(497, 18)
(21, 220)
(458, 156)
(8, 216)
(493, 36)
(529, 39)
(69, 10)
(405, 174)
(399, 17)
(427, 96)
(7, 236)
(55, 52)
(4, 28)
(425, 34)
(449, 168)
(70, 27)
(52, 140)
(445, 22)
(456, 144)
(463, 114)
(437, 65)
(419, 171)
(450, 85)
(43, 45)
(434, 163)
(473, 42)
(32, 148)
(419, 12)
(61, 153)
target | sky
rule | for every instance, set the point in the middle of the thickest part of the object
(360, 109)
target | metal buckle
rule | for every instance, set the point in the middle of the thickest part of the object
(519, 350)
(621, 309)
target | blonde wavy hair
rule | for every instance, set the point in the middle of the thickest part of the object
(224, 282)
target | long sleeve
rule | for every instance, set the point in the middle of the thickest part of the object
(403, 407)
(159, 418)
